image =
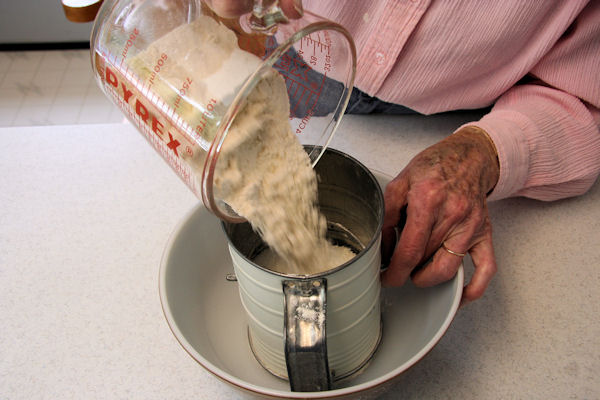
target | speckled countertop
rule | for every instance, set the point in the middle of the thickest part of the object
(87, 210)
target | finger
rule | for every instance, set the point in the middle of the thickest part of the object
(292, 8)
(444, 224)
(390, 236)
(447, 260)
(394, 217)
(445, 264)
(411, 246)
(230, 8)
(484, 261)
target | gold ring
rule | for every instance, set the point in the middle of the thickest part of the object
(456, 253)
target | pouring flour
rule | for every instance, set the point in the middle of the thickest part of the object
(263, 172)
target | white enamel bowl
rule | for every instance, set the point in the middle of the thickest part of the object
(204, 313)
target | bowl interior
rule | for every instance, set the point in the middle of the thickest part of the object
(204, 312)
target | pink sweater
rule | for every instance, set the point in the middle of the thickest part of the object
(434, 56)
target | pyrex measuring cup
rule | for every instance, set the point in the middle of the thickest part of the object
(181, 75)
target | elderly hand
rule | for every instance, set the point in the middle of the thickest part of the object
(235, 8)
(437, 201)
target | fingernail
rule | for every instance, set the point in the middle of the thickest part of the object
(298, 7)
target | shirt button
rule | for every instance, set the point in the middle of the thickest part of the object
(379, 58)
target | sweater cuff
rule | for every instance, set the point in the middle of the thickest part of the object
(513, 152)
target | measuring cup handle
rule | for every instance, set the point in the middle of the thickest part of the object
(305, 336)
(266, 14)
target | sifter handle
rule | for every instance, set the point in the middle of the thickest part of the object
(305, 338)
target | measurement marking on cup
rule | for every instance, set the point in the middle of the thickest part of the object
(300, 85)
(136, 101)
(305, 89)
(315, 43)
(295, 87)
(130, 41)
(183, 91)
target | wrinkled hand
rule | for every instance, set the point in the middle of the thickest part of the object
(235, 8)
(440, 197)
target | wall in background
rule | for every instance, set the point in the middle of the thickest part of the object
(35, 21)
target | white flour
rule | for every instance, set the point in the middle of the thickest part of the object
(333, 257)
(262, 172)
(265, 175)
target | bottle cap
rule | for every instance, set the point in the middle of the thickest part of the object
(81, 10)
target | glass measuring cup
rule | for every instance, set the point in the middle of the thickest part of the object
(162, 63)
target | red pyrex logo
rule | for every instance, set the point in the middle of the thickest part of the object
(141, 110)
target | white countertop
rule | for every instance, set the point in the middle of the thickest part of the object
(87, 210)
